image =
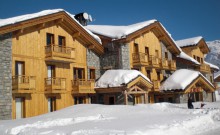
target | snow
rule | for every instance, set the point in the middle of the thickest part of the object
(187, 57)
(118, 32)
(188, 41)
(180, 79)
(142, 119)
(13, 20)
(117, 78)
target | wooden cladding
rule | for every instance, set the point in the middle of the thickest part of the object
(156, 85)
(83, 86)
(23, 84)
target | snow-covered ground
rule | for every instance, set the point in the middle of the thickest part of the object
(143, 119)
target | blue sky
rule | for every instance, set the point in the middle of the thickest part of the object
(182, 18)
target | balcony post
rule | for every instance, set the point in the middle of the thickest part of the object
(125, 98)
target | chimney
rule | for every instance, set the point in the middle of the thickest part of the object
(83, 18)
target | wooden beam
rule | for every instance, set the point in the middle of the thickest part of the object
(75, 35)
(91, 46)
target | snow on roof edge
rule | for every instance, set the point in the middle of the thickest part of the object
(212, 65)
(21, 18)
(189, 41)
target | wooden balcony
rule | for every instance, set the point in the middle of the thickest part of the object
(156, 85)
(154, 61)
(140, 59)
(204, 68)
(55, 85)
(23, 84)
(172, 64)
(60, 53)
(164, 64)
(83, 86)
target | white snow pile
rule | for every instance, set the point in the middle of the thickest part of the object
(188, 41)
(117, 78)
(118, 32)
(143, 119)
(13, 20)
(187, 57)
(180, 79)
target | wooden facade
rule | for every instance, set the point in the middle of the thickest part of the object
(49, 64)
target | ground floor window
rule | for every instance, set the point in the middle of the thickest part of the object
(79, 100)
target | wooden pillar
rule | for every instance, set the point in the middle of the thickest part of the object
(125, 98)
(145, 98)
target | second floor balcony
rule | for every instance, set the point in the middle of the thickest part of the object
(60, 53)
(83, 86)
(23, 84)
(164, 64)
(204, 68)
(55, 85)
(140, 59)
(156, 85)
(172, 64)
(154, 61)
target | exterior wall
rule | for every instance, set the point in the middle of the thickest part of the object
(124, 57)
(164, 49)
(93, 61)
(5, 77)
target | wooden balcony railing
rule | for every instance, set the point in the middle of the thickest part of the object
(164, 63)
(154, 61)
(55, 84)
(156, 85)
(204, 68)
(83, 86)
(140, 58)
(56, 52)
(172, 64)
(23, 83)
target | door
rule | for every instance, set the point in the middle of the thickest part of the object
(78, 73)
(111, 100)
(19, 108)
(147, 52)
(50, 39)
(92, 74)
(51, 104)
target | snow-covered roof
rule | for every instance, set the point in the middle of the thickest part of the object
(117, 78)
(212, 65)
(17, 19)
(118, 32)
(180, 79)
(216, 75)
(187, 57)
(189, 41)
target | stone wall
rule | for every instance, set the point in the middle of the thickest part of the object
(164, 49)
(124, 57)
(5, 76)
(93, 60)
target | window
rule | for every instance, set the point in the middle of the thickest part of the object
(198, 59)
(157, 53)
(147, 51)
(19, 68)
(148, 74)
(78, 73)
(194, 56)
(136, 48)
(92, 74)
(51, 104)
(166, 55)
(79, 100)
(158, 76)
(62, 41)
(201, 60)
(50, 39)
(19, 108)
